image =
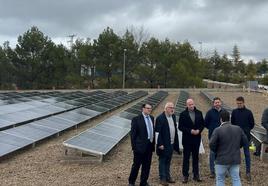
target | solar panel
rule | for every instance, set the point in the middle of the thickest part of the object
(97, 108)
(36, 103)
(7, 148)
(5, 109)
(112, 102)
(127, 115)
(102, 138)
(37, 98)
(72, 116)
(91, 142)
(43, 128)
(110, 131)
(56, 119)
(258, 135)
(5, 123)
(63, 105)
(87, 112)
(133, 111)
(117, 123)
(53, 109)
(14, 140)
(50, 124)
(23, 99)
(105, 105)
(11, 118)
(74, 103)
(180, 105)
(41, 111)
(31, 132)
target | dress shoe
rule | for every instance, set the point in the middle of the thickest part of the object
(248, 177)
(170, 180)
(185, 180)
(197, 179)
(163, 182)
(212, 175)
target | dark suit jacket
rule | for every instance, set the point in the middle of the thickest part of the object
(139, 135)
(186, 125)
(162, 127)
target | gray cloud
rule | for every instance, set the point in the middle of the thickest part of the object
(217, 24)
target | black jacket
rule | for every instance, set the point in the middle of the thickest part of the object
(162, 128)
(243, 118)
(186, 125)
(139, 135)
(226, 142)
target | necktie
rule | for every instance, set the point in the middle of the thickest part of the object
(150, 129)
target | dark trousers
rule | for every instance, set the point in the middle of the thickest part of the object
(143, 160)
(164, 165)
(187, 151)
(247, 158)
(212, 157)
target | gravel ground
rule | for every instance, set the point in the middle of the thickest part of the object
(44, 165)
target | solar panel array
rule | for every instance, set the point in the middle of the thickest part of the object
(43, 106)
(153, 100)
(181, 103)
(7, 98)
(99, 140)
(258, 133)
(18, 137)
(210, 98)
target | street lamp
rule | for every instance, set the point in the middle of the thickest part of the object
(124, 68)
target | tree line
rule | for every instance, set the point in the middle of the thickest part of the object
(37, 62)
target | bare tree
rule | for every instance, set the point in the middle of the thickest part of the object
(140, 34)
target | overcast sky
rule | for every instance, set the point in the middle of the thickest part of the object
(217, 24)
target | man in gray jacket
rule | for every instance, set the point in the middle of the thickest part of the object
(226, 142)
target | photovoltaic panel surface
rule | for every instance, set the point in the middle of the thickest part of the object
(103, 137)
(31, 132)
(40, 129)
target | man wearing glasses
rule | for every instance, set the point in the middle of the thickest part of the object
(142, 142)
(191, 123)
(166, 142)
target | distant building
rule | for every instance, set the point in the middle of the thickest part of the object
(87, 70)
(217, 84)
(252, 85)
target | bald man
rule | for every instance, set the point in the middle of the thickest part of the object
(191, 123)
(167, 141)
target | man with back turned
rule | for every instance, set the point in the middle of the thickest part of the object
(225, 142)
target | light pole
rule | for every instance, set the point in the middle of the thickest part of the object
(124, 68)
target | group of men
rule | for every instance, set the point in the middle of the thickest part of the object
(225, 140)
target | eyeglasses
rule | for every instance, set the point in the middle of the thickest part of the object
(148, 108)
